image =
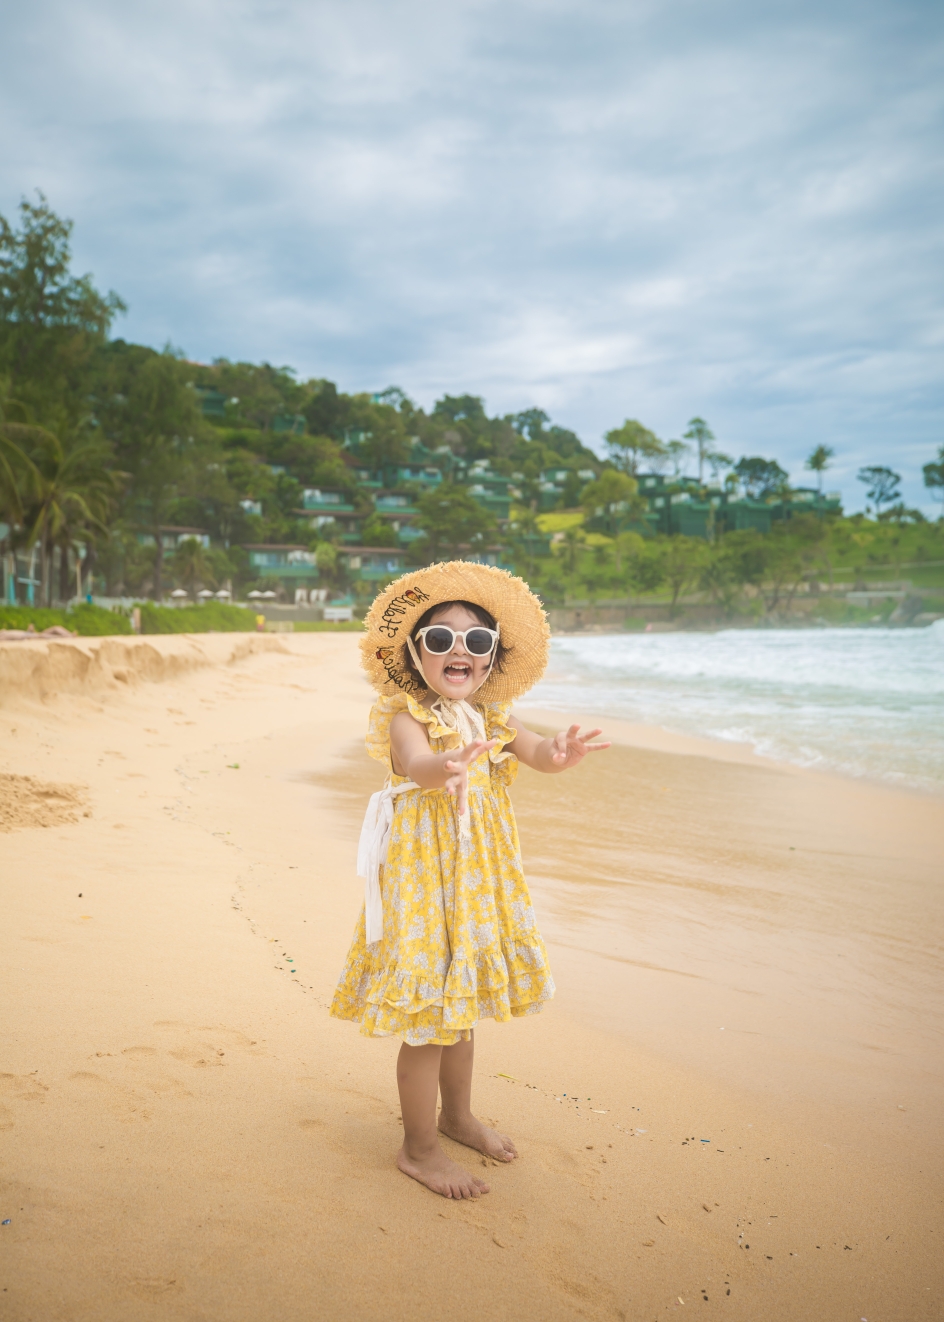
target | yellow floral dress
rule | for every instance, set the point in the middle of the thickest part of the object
(459, 938)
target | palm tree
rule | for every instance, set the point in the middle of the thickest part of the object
(191, 566)
(818, 462)
(15, 478)
(574, 538)
(15, 484)
(71, 492)
(704, 440)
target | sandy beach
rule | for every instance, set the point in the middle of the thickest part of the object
(731, 1107)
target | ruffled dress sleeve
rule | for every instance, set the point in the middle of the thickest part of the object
(383, 712)
(504, 765)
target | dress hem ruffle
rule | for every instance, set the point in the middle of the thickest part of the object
(494, 986)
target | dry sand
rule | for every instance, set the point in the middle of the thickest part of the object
(736, 1093)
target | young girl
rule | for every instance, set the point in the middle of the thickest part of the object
(447, 935)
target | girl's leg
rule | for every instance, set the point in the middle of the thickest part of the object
(456, 1118)
(421, 1156)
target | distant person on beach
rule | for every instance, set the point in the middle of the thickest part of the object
(447, 935)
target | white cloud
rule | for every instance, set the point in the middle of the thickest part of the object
(609, 209)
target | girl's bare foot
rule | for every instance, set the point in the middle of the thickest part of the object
(473, 1134)
(437, 1172)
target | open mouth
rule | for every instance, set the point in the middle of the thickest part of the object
(457, 672)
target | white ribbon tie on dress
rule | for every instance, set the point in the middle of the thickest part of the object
(457, 716)
(372, 853)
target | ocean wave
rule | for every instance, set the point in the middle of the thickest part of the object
(866, 702)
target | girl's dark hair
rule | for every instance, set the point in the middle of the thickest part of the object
(481, 614)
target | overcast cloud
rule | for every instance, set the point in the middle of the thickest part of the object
(603, 209)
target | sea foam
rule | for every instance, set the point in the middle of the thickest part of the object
(866, 702)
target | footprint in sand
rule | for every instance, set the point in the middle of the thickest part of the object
(151, 1287)
(228, 1038)
(23, 1087)
(199, 1059)
(120, 1102)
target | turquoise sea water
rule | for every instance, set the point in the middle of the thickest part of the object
(864, 702)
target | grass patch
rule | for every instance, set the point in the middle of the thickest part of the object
(87, 620)
(560, 520)
(209, 617)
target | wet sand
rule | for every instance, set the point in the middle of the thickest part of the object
(736, 1089)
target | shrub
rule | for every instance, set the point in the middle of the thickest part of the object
(95, 621)
(211, 617)
(89, 621)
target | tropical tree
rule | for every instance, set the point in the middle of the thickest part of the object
(71, 493)
(677, 453)
(631, 443)
(718, 577)
(882, 484)
(330, 568)
(574, 539)
(934, 477)
(626, 547)
(718, 462)
(524, 532)
(611, 495)
(645, 567)
(50, 320)
(745, 555)
(760, 477)
(378, 531)
(682, 562)
(530, 422)
(452, 521)
(785, 567)
(191, 565)
(160, 437)
(819, 460)
(570, 495)
(385, 443)
(16, 477)
(703, 439)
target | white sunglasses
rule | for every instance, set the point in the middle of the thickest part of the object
(439, 639)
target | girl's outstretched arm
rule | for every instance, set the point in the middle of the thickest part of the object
(412, 756)
(559, 753)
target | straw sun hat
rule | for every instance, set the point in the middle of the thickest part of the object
(396, 611)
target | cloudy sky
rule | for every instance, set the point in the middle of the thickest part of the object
(639, 208)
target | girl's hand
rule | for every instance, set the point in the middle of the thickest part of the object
(458, 768)
(569, 748)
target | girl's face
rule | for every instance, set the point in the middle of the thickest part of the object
(456, 674)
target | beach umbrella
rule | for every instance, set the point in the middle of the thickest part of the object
(204, 594)
(254, 595)
(269, 596)
(179, 594)
(224, 593)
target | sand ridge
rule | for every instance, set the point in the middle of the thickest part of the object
(186, 1134)
(43, 670)
(26, 802)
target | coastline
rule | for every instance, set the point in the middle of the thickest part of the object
(657, 738)
(189, 1135)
